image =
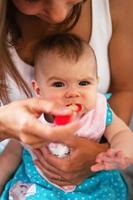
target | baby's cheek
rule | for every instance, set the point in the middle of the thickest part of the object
(50, 96)
(90, 103)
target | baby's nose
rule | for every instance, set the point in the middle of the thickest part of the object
(72, 94)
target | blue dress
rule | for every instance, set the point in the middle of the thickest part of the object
(27, 184)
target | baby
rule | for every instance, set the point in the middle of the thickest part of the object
(66, 72)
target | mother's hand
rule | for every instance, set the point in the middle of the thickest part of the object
(74, 168)
(19, 120)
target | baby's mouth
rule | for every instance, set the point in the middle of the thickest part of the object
(75, 107)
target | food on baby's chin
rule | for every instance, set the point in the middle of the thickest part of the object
(75, 107)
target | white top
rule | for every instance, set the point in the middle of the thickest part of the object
(100, 37)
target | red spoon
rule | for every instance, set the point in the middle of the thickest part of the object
(62, 120)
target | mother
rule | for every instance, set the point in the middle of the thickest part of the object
(108, 28)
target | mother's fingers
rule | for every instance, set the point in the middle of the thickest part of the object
(32, 140)
(64, 134)
(45, 165)
(57, 164)
(38, 106)
(52, 133)
(51, 162)
(47, 173)
(54, 175)
(54, 178)
(62, 178)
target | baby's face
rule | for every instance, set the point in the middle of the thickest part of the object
(68, 82)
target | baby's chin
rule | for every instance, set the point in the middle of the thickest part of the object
(88, 109)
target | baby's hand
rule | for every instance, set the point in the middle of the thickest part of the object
(111, 159)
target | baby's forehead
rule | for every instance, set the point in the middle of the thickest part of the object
(53, 59)
(68, 55)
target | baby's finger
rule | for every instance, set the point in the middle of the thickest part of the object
(119, 154)
(101, 157)
(104, 166)
(111, 152)
(97, 167)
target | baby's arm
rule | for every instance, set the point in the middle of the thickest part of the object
(9, 161)
(120, 155)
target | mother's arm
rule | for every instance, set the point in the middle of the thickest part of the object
(121, 58)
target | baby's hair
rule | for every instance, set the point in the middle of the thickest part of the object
(68, 46)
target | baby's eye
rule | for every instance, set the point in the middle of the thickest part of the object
(58, 84)
(84, 83)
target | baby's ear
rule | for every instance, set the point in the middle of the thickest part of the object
(36, 88)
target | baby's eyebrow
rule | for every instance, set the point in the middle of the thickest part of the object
(90, 78)
(55, 78)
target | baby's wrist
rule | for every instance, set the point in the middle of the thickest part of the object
(103, 147)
